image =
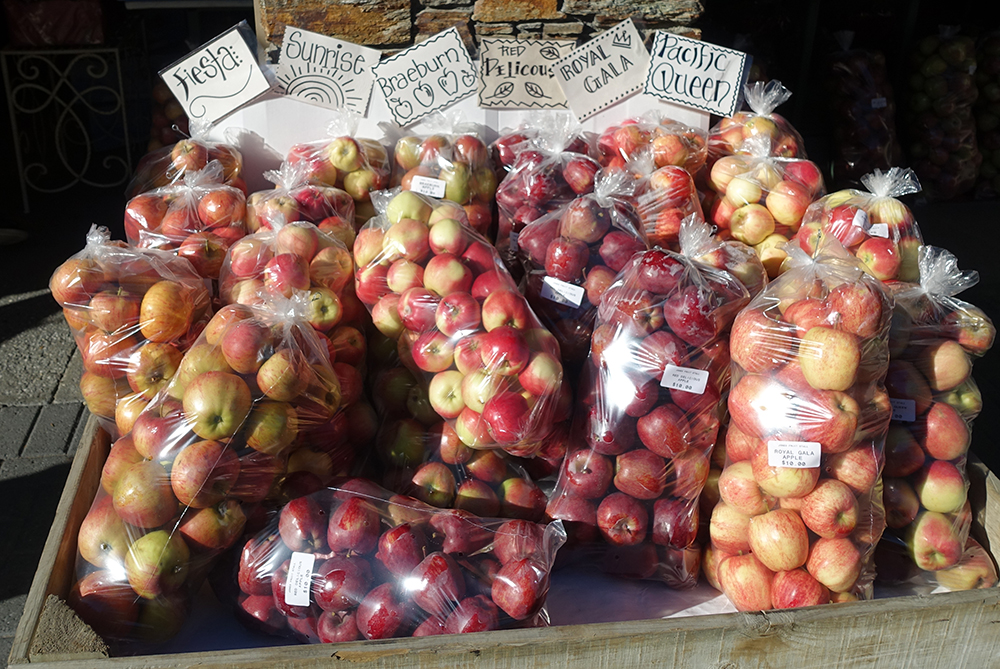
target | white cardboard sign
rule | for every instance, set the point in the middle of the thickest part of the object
(326, 71)
(217, 78)
(696, 74)
(518, 74)
(608, 68)
(427, 77)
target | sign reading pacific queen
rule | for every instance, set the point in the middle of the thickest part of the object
(696, 74)
(427, 77)
(326, 71)
(218, 77)
(608, 68)
(518, 73)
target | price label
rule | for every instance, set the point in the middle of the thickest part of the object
(428, 186)
(879, 230)
(513, 242)
(862, 221)
(685, 378)
(299, 581)
(879, 103)
(903, 411)
(794, 454)
(561, 292)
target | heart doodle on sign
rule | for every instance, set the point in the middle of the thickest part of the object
(402, 109)
(424, 95)
(468, 78)
(449, 83)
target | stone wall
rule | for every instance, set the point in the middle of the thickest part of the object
(395, 24)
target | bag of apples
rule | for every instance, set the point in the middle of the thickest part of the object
(439, 289)
(356, 562)
(670, 143)
(572, 254)
(505, 149)
(198, 217)
(452, 164)
(216, 438)
(169, 164)
(296, 197)
(354, 164)
(934, 340)
(647, 417)
(801, 496)
(874, 226)
(664, 198)
(727, 137)
(133, 313)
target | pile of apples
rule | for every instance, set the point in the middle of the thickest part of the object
(668, 141)
(942, 127)
(571, 256)
(440, 291)
(169, 164)
(987, 110)
(648, 416)
(728, 135)
(173, 490)
(800, 511)
(296, 198)
(668, 197)
(355, 165)
(572, 139)
(133, 313)
(199, 218)
(450, 167)
(934, 340)
(875, 227)
(357, 562)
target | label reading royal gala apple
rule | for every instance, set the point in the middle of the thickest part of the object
(606, 69)
(428, 186)
(862, 221)
(562, 292)
(903, 411)
(518, 73)
(427, 77)
(326, 71)
(696, 74)
(685, 378)
(218, 77)
(794, 454)
(298, 585)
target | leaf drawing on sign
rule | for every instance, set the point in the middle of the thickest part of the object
(468, 78)
(503, 90)
(549, 53)
(534, 90)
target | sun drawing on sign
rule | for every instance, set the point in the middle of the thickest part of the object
(320, 85)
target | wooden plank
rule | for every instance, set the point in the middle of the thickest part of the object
(55, 571)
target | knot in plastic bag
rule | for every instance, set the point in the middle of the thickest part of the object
(897, 182)
(450, 122)
(289, 176)
(696, 237)
(97, 236)
(556, 130)
(343, 122)
(199, 128)
(758, 147)
(940, 275)
(289, 310)
(643, 162)
(612, 185)
(763, 98)
(209, 176)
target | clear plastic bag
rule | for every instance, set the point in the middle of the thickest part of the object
(218, 437)
(535, 126)
(133, 313)
(935, 339)
(198, 217)
(439, 290)
(727, 137)
(296, 198)
(353, 164)
(357, 562)
(167, 165)
(665, 196)
(800, 508)
(874, 226)
(648, 413)
(669, 142)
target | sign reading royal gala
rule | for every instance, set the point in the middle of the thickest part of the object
(326, 71)
(427, 77)
(218, 77)
(603, 71)
(696, 74)
(518, 73)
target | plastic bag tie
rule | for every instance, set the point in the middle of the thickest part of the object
(696, 237)
(763, 98)
(897, 182)
(609, 186)
(289, 176)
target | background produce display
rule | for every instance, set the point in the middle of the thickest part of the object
(934, 340)
(166, 165)
(987, 110)
(168, 122)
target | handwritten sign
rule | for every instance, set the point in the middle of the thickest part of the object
(606, 69)
(326, 71)
(517, 73)
(427, 77)
(696, 74)
(217, 78)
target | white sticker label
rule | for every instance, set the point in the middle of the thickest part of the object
(685, 378)
(513, 242)
(561, 292)
(298, 585)
(794, 454)
(879, 103)
(904, 411)
(428, 186)
(879, 230)
(861, 220)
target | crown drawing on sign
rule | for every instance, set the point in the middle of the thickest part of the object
(624, 41)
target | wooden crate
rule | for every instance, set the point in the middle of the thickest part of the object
(951, 630)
